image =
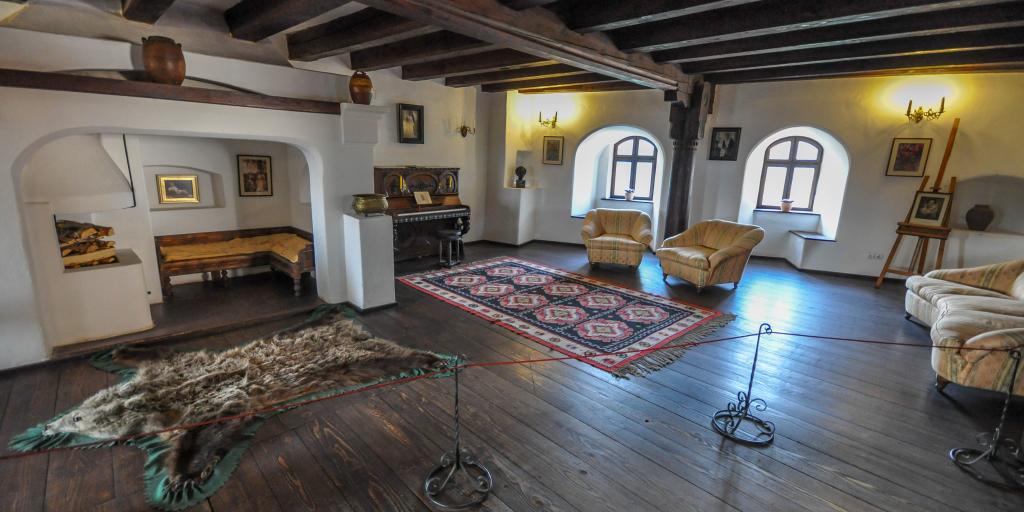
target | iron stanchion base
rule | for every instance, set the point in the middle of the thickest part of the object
(458, 482)
(729, 422)
(1005, 471)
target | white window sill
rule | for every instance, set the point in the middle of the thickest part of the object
(627, 200)
(769, 210)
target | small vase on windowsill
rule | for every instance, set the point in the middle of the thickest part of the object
(787, 205)
(630, 193)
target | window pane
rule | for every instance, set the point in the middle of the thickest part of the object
(774, 182)
(806, 151)
(645, 148)
(779, 151)
(644, 178)
(624, 147)
(800, 190)
(622, 170)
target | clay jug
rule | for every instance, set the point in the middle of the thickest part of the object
(360, 88)
(979, 217)
(164, 62)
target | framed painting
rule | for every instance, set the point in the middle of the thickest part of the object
(908, 157)
(255, 176)
(410, 123)
(725, 144)
(930, 208)
(177, 189)
(553, 147)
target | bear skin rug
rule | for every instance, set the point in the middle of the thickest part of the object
(162, 389)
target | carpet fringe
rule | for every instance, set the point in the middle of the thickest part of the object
(655, 361)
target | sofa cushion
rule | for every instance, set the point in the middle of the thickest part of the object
(931, 289)
(694, 256)
(609, 241)
(956, 327)
(1000, 306)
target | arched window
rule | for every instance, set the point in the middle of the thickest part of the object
(792, 166)
(633, 163)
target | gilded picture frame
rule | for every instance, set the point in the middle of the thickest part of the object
(177, 188)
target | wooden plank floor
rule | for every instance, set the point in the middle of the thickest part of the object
(860, 427)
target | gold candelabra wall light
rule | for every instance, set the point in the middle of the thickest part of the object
(920, 114)
(551, 122)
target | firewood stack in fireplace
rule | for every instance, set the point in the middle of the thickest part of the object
(83, 245)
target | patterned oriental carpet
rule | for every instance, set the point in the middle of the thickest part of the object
(573, 314)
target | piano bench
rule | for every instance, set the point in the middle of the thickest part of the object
(449, 242)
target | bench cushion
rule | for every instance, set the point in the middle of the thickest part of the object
(285, 245)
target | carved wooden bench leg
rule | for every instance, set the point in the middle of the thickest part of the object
(165, 286)
(297, 285)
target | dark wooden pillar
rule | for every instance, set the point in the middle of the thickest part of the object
(685, 127)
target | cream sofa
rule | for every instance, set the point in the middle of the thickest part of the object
(616, 236)
(710, 252)
(971, 311)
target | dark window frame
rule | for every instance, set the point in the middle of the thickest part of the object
(633, 159)
(790, 164)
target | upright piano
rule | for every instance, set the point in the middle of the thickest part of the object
(416, 226)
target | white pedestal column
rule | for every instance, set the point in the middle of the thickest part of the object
(369, 261)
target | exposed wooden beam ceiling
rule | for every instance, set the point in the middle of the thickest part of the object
(510, 75)
(537, 32)
(939, 22)
(526, 4)
(361, 29)
(989, 60)
(767, 17)
(496, 60)
(146, 11)
(924, 44)
(599, 87)
(583, 78)
(603, 15)
(439, 45)
(254, 20)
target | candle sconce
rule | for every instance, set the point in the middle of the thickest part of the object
(920, 114)
(465, 130)
(551, 122)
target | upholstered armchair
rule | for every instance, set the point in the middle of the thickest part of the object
(710, 252)
(616, 236)
(976, 317)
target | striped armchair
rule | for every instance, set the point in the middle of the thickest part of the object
(616, 236)
(710, 252)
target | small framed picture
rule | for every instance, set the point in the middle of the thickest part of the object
(908, 157)
(422, 198)
(930, 208)
(178, 189)
(410, 124)
(725, 144)
(553, 146)
(255, 176)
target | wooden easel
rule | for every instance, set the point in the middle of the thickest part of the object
(924, 233)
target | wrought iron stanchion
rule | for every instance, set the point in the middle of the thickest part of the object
(728, 421)
(459, 481)
(1009, 467)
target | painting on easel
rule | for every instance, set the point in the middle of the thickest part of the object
(930, 208)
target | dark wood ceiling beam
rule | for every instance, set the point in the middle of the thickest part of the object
(767, 17)
(254, 20)
(584, 78)
(146, 11)
(439, 45)
(362, 29)
(992, 58)
(496, 60)
(940, 22)
(599, 87)
(893, 47)
(539, 32)
(510, 75)
(603, 15)
(525, 4)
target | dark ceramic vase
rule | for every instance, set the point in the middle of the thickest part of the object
(979, 217)
(360, 88)
(520, 177)
(163, 59)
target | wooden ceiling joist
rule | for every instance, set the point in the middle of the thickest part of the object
(537, 32)
(989, 59)
(439, 45)
(602, 15)
(598, 87)
(363, 29)
(510, 75)
(146, 11)
(496, 60)
(767, 17)
(939, 22)
(254, 20)
(584, 78)
(893, 47)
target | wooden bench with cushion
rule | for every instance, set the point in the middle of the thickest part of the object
(285, 249)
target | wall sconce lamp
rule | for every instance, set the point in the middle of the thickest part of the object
(465, 130)
(921, 114)
(550, 122)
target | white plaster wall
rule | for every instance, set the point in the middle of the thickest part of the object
(863, 115)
